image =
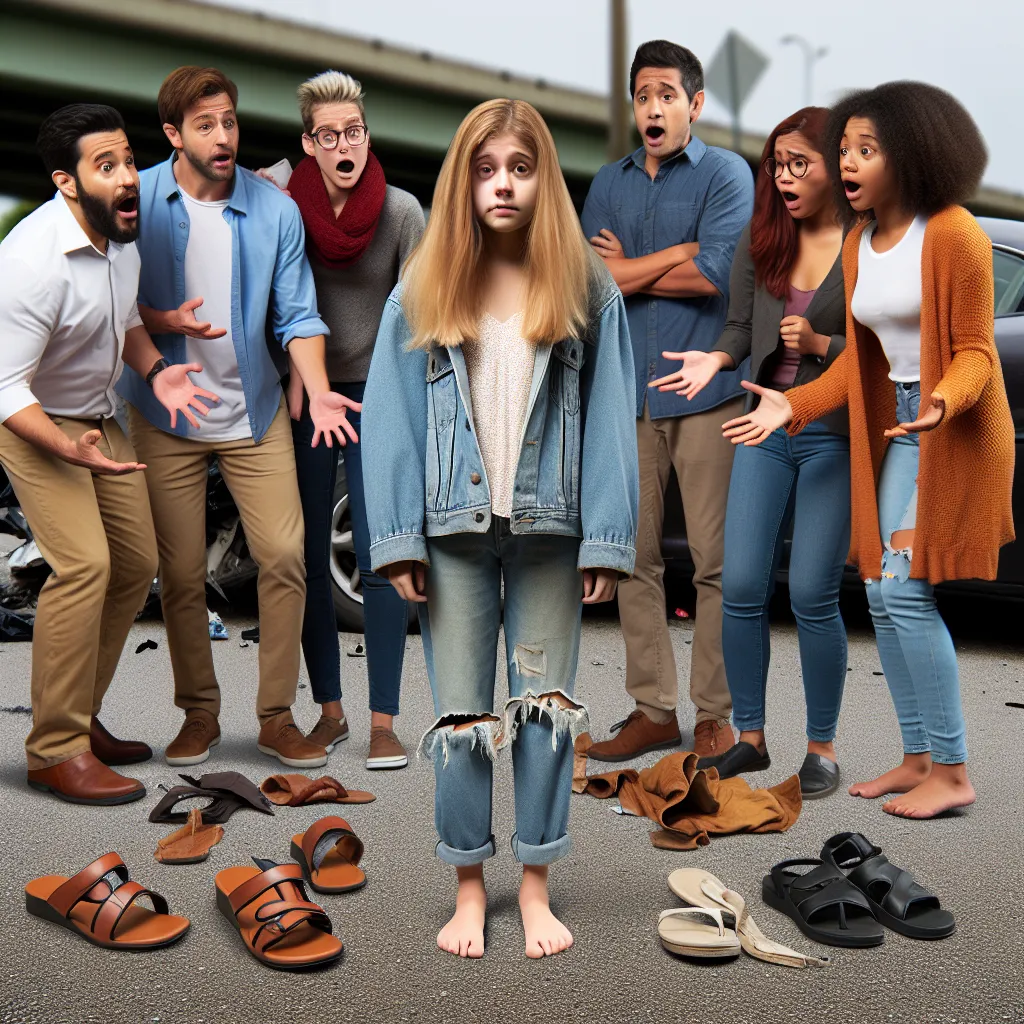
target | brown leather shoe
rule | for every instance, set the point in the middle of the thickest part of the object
(197, 734)
(110, 750)
(280, 738)
(711, 738)
(635, 736)
(85, 779)
(329, 732)
(386, 750)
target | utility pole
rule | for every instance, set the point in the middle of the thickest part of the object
(811, 56)
(618, 114)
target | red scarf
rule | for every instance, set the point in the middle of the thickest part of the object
(338, 241)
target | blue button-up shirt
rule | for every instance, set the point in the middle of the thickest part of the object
(270, 280)
(704, 195)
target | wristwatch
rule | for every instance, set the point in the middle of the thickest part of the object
(160, 364)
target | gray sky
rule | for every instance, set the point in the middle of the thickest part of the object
(974, 50)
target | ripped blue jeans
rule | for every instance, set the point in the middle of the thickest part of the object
(914, 645)
(538, 723)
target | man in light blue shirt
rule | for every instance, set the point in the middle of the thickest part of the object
(666, 220)
(217, 241)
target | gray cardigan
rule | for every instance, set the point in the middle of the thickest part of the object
(752, 325)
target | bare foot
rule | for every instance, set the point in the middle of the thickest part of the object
(911, 773)
(463, 935)
(545, 934)
(947, 787)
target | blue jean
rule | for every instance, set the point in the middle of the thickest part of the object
(914, 645)
(385, 613)
(540, 722)
(803, 480)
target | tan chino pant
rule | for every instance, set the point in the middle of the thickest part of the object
(96, 534)
(702, 459)
(261, 479)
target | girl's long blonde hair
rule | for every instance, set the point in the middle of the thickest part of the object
(444, 277)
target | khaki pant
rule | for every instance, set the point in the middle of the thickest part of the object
(96, 534)
(703, 463)
(261, 478)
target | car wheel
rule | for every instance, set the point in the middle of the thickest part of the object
(346, 585)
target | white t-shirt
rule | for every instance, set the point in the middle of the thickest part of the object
(887, 298)
(208, 269)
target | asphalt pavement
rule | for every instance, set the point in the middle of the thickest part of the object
(609, 891)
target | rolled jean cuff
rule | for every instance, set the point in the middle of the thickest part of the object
(464, 858)
(949, 758)
(755, 723)
(538, 855)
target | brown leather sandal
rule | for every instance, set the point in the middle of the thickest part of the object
(191, 843)
(296, 790)
(268, 906)
(99, 901)
(329, 853)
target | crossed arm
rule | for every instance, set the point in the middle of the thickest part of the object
(668, 273)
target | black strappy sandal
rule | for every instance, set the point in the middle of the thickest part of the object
(824, 905)
(896, 898)
(227, 792)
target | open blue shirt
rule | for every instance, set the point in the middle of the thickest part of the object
(271, 280)
(705, 195)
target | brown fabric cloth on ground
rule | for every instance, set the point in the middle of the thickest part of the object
(296, 790)
(691, 804)
(191, 843)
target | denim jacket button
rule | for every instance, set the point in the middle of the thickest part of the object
(479, 517)
(474, 478)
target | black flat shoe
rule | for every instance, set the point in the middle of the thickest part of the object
(818, 777)
(739, 758)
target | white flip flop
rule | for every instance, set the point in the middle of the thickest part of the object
(698, 931)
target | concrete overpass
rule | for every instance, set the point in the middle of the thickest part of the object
(58, 51)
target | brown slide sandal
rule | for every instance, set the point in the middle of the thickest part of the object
(329, 853)
(296, 790)
(268, 906)
(191, 843)
(99, 901)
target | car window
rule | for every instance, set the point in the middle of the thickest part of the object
(1008, 268)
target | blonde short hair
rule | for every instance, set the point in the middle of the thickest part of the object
(328, 87)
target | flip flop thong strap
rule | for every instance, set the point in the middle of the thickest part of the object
(705, 913)
(68, 893)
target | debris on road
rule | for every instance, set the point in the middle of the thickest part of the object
(146, 645)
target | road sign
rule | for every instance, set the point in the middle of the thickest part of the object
(734, 70)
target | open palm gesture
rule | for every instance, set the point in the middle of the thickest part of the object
(697, 371)
(329, 413)
(175, 391)
(752, 428)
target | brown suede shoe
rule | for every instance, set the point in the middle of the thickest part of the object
(635, 736)
(86, 780)
(280, 738)
(711, 738)
(329, 732)
(111, 750)
(199, 732)
(386, 751)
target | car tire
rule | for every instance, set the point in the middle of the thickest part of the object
(346, 587)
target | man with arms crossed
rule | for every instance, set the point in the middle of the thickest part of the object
(219, 240)
(666, 220)
(69, 275)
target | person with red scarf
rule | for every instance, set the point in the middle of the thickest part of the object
(359, 231)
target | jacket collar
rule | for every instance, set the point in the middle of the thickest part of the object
(694, 152)
(71, 236)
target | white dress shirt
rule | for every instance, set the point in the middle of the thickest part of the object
(64, 310)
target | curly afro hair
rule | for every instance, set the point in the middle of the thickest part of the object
(925, 133)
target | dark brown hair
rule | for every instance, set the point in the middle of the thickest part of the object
(660, 53)
(186, 86)
(774, 234)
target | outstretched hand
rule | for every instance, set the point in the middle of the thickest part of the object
(697, 371)
(927, 419)
(752, 428)
(183, 320)
(87, 454)
(175, 391)
(329, 413)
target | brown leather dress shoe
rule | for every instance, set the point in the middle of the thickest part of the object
(635, 736)
(280, 737)
(85, 779)
(110, 750)
(711, 738)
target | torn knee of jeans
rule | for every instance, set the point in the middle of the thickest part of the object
(530, 660)
(896, 560)
(554, 706)
(464, 732)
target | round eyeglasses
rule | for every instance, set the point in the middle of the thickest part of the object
(355, 135)
(797, 167)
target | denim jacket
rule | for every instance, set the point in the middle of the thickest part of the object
(577, 474)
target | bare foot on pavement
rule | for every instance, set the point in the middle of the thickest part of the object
(945, 789)
(911, 773)
(463, 935)
(545, 934)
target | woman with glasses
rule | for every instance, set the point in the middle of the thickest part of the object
(359, 231)
(787, 315)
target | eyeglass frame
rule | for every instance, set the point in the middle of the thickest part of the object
(787, 164)
(315, 136)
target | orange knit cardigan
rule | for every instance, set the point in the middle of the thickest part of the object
(965, 475)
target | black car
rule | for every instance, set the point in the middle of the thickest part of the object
(1008, 264)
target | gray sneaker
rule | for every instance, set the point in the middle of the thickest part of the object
(385, 750)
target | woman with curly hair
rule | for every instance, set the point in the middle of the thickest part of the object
(931, 479)
(787, 314)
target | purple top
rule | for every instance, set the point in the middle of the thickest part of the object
(788, 362)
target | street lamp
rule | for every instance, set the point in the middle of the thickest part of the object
(811, 55)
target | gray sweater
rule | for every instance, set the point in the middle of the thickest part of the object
(351, 300)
